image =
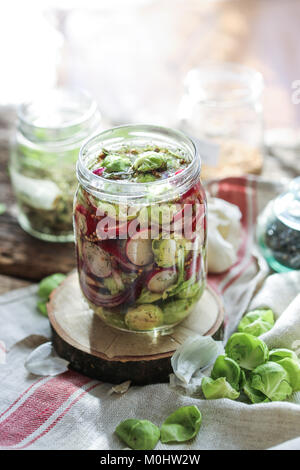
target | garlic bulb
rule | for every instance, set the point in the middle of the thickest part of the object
(224, 234)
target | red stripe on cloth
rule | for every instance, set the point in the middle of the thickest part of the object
(59, 418)
(39, 407)
(21, 396)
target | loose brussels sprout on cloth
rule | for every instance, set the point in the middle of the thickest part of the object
(276, 355)
(247, 350)
(138, 434)
(228, 368)
(219, 388)
(272, 380)
(254, 396)
(182, 425)
(257, 322)
(46, 286)
(292, 369)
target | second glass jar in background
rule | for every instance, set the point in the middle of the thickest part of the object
(222, 106)
(50, 132)
(139, 268)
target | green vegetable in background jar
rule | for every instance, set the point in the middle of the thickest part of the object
(138, 434)
(247, 350)
(228, 368)
(144, 317)
(219, 388)
(182, 425)
(272, 380)
(257, 322)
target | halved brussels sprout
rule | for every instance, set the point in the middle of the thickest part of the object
(257, 322)
(165, 252)
(176, 310)
(116, 163)
(219, 388)
(272, 380)
(292, 369)
(228, 368)
(149, 161)
(254, 395)
(182, 425)
(276, 355)
(144, 317)
(148, 297)
(247, 350)
(138, 434)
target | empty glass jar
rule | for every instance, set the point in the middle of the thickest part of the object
(222, 108)
(50, 132)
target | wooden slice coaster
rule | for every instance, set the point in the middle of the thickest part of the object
(114, 356)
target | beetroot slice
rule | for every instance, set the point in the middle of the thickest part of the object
(160, 279)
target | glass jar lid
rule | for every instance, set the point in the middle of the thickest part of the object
(59, 116)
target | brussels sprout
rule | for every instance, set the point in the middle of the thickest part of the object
(116, 163)
(254, 395)
(42, 307)
(219, 388)
(145, 178)
(242, 379)
(192, 290)
(138, 434)
(111, 285)
(247, 350)
(228, 368)
(182, 425)
(148, 297)
(144, 317)
(257, 322)
(272, 380)
(175, 311)
(149, 161)
(292, 369)
(276, 355)
(49, 283)
(165, 252)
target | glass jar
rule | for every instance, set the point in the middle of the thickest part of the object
(278, 230)
(141, 247)
(50, 132)
(222, 108)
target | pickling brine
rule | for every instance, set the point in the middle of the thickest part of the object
(140, 227)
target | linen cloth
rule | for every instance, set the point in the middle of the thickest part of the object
(71, 411)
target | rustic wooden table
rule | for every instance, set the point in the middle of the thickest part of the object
(261, 33)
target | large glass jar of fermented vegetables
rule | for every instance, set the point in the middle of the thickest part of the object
(50, 132)
(140, 225)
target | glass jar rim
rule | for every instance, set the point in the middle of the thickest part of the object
(76, 127)
(96, 184)
(250, 80)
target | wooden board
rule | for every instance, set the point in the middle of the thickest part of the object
(108, 354)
